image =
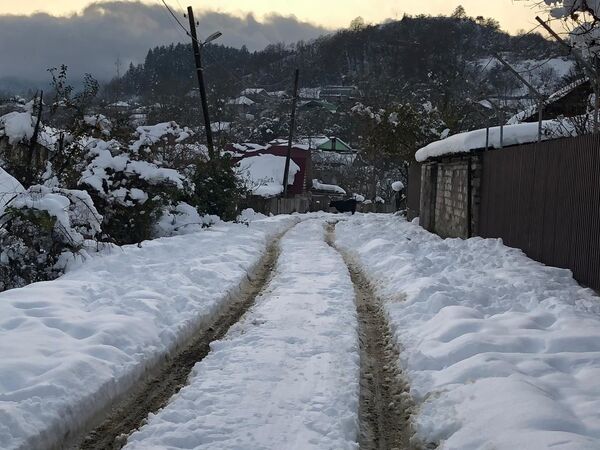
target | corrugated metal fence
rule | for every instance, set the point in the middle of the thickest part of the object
(545, 199)
(413, 191)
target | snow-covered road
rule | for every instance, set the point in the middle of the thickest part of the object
(286, 376)
(70, 346)
(502, 352)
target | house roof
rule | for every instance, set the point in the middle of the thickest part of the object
(254, 91)
(313, 104)
(242, 100)
(326, 144)
(521, 116)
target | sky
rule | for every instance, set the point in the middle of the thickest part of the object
(513, 15)
(91, 37)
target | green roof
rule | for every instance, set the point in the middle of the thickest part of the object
(336, 145)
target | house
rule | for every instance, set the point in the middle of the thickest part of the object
(330, 155)
(300, 156)
(312, 105)
(257, 95)
(313, 93)
(242, 105)
(570, 101)
(340, 93)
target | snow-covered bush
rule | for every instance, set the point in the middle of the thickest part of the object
(130, 193)
(42, 230)
(182, 218)
(218, 189)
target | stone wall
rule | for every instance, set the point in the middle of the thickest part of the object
(450, 196)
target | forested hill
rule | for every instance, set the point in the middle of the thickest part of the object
(399, 58)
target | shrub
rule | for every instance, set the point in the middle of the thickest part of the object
(41, 231)
(218, 189)
(129, 192)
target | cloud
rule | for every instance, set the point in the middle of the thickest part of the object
(92, 40)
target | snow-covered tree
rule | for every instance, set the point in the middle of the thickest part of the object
(582, 19)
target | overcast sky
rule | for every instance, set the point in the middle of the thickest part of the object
(90, 37)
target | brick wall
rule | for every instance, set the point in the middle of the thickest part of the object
(450, 196)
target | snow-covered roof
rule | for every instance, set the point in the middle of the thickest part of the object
(523, 133)
(310, 93)
(278, 94)
(220, 126)
(263, 174)
(120, 104)
(328, 187)
(248, 147)
(243, 100)
(533, 109)
(253, 91)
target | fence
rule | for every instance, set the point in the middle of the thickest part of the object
(413, 191)
(545, 199)
(277, 206)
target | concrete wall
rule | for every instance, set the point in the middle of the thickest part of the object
(450, 196)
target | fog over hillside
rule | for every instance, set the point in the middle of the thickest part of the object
(93, 40)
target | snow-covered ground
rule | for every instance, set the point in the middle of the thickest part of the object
(286, 376)
(69, 346)
(502, 352)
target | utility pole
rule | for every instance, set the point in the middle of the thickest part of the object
(202, 86)
(592, 72)
(534, 91)
(33, 141)
(291, 137)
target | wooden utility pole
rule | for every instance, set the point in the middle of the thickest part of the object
(291, 137)
(200, 72)
(592, 73)
(534, 91)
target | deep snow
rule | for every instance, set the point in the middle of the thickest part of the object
(286, 376)
(502, 352)
(69, 346)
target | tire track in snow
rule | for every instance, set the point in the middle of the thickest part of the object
(153, 394)
(385, 403)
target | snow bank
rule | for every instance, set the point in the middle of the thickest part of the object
(287, 376)
(70, 346)
(263, 174)
(501, 351)
(183, 219)
(523, 133)
(249, 215)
